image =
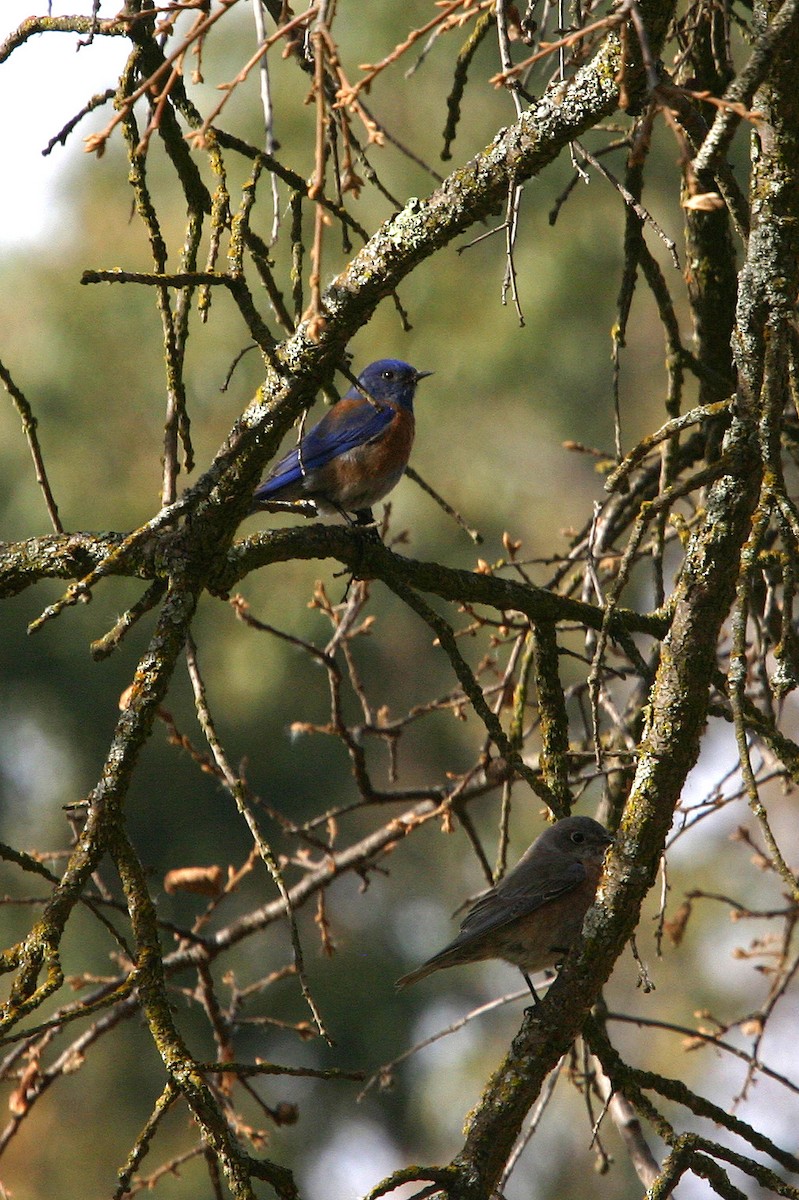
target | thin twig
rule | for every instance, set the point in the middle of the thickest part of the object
(474, 534)
(29, 424)
(237, 791)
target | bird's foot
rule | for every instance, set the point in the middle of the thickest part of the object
(366, 524)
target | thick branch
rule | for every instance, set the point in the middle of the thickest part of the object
(25, 563)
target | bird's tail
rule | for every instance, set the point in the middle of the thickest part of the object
(448, 957)
(415, 976)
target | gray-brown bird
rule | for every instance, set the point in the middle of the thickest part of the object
(533, 915)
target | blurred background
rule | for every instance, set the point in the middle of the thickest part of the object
(491, 426)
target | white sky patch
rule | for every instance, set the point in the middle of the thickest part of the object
(37, 772)
(43, 84)
(357, 1157)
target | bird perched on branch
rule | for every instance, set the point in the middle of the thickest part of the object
(358, 451)
(532, 916)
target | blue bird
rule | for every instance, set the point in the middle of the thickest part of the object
(358, 451)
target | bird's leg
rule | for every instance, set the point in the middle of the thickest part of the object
(536, 1001)
(344, 515)
(364, 517)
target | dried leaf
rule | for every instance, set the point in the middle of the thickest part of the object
(675, 928)
(202, 881)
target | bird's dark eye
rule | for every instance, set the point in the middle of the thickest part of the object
(388, 374)
(577, 838)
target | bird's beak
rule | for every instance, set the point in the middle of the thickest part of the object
(422, 375)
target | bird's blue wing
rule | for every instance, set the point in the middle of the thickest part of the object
(348, 424)
(285, 472)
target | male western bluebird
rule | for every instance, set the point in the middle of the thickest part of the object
(535, 913)
(358, 451)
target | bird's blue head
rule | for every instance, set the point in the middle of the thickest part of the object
(390, 379)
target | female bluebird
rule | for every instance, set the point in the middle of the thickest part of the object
(535, 913)
(358, 451)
